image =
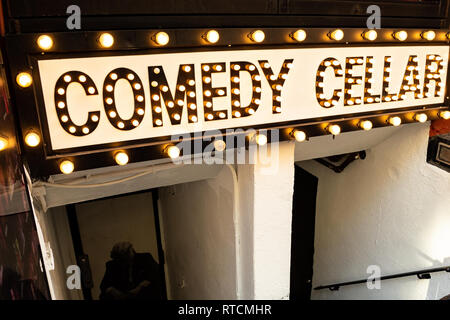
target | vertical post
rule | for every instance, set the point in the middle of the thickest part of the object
(266, 191)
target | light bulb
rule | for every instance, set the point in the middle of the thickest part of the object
(401, 35)
(365, 125)
(32, 139)
(212, 36)
(66, 167)
(444, 114)
(421, 117)
(3, 143)
(173, 152)
(257, 36)
(428, 35)
(106, 40)
(395, 121)
(161, 38)
(261, 139)
(370, 35)
(299, 135)
(219, 145)
(121, 158)
(45, 42)
(334, 129)
(337, 35)
(299, 35)
(24, 79)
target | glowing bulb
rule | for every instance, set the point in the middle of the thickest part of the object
(173, 152)
(261, 139)
(334, 129)
(121, 158)
(299, 135)
(3, 143)
(32, 139)
(106, 40)
(299, 35)
(395, 121)
(219, 145)
(212, 36)
(66, 167)
(366, 125)
(370, 35)
(337, 35)
(257, 36)
(82, 78)
(24, 79)
(444, 114)
(45, 42)
(161, 38)
(421, 117)
(428, 35)
(401, 35)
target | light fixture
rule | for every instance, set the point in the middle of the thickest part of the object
(428, 35)
(161, 38)
(299, 35)
(444, 114)
(370, 35)
(400, 35)
(395, 121)
(212, 36)
(173, 151)
(45, 42)
(337, 35)
(261, 139)
(66, 167)
(3, 143)
(421, 117)
(365, 125)
(121, 158)
(219, 145)
(298, 135)
(32, 139)
(24, 79)
(257, 36)
(106, 40)
(334, 129)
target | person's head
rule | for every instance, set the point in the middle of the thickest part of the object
(123, 251)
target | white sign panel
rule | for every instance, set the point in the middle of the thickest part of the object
(98, 100)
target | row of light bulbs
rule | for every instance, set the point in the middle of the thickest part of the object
(32, 139)
(106, 40)
(161, 38)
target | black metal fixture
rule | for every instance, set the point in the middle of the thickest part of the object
(338, 163)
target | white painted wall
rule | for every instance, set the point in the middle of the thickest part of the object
(391, 209)
(103, 223)
(266, 189)
(199, 237)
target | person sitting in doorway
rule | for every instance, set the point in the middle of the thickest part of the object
(130, 275)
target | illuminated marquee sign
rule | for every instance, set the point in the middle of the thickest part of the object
(92, 99)
(101, 100)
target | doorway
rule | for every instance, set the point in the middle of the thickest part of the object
(97, 225)
(303, 225)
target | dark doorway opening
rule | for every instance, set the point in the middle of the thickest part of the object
(84, 235)
(303, 224)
